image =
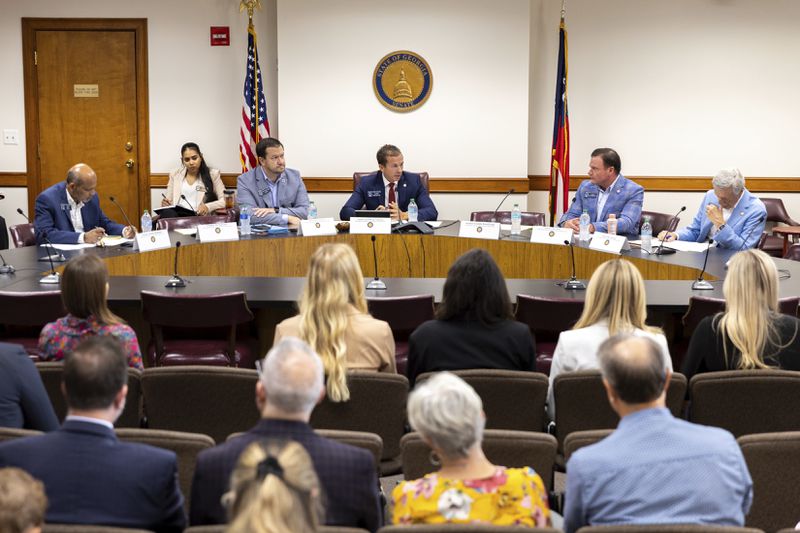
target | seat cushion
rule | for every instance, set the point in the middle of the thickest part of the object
(209, 359)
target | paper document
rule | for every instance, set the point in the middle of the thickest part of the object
(113, 240)
(187, 231)
(681, 246)
(68, 246)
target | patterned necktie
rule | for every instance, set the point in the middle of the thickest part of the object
(392, 197)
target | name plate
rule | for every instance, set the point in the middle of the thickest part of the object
(317, 226)
(607, 243)
(153, 240)
(479, 230)
(227, 231)
(545, 235)
(370, 225)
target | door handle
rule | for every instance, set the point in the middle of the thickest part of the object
(129, 163)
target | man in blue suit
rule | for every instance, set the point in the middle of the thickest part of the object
(277, 194)
(390, 188)
(90, 476)
(605, 192)
(69, 212)
(729, 214)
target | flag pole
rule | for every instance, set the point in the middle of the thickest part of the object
(250, 6)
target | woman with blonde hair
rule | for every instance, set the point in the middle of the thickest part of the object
(615, 303)
(751, 333)
(334, 320)
(274, 489)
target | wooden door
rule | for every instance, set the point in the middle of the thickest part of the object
(86, 107)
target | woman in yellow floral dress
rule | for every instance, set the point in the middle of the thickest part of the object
(448, 414)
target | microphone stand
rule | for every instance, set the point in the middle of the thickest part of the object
(700, 284)
(494, 214)
(376, 284)
(125, 216)
(53, 278)
(176, 281)
(189, 204)
(573, 284)
(6, 268)
(660, 250)
(56, 256)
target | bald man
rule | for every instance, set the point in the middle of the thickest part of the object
(69, 212)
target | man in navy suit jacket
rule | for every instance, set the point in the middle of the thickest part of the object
(91, 477)
(69, 212)
(390, 188)
(290, 385)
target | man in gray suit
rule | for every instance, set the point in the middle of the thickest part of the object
(276, 194)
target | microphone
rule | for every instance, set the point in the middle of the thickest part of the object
(5, 268)
(2, 196)
(21, 212)
(54, 255)
(124, 215)
(573, 284)
(701, 284)
(494, 215)
(187, 203)
(376, 284)
(176, 281)
(660, 250)
(53, 278)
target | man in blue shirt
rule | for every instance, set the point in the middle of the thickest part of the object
(654, 468)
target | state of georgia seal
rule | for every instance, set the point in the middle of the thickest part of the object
(402, 81)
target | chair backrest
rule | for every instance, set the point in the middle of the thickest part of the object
(82, 528)
(504, 447)
(457, 528)
(215, 401)
(776, 212)
(660, 221)
(500, 389)
(548, 316)
(773, 460)
(580, 439)
(403, 313)
(30, 309)
(377, 405)
(16, 433)
(52, 373)
(185, 445)
(699, 308)
(746, 401)
(793, 252)
(218, 528)
(22, 235)
(424, 177)
(667, 528)
(582, 404)
(360, 439)
(529, 218)
(190, 222)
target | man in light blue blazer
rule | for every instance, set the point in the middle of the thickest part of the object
(605, 192)
(729, 214)
(276, 194)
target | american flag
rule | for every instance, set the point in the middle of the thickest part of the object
(559, 158)
(255, 124)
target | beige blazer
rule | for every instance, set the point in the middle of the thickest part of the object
(370, 344)
(174, 188)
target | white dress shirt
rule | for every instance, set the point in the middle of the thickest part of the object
(602, 196)
(75, 216)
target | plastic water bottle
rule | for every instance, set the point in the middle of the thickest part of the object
(585, 222)
(647, 235)
(413, 211)
(147, 222)
(244, 220)
(516, 220)
(612, 224)
(312, 210)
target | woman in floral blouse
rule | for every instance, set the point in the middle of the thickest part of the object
(448, 414)
(84, 288)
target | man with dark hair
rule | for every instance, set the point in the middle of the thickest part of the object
(606, 191)
(89, 475)
(276, 194)
(654, 468)
(69, 212)
(390, 188)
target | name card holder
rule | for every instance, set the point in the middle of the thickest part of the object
(479, 230)
(545, 235)
(227, 231)
(317, 226)
(153, 240)
(608, 243)
(370, 226)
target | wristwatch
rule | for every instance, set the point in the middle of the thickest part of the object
(722, 227)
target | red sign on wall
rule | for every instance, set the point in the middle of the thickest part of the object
(220, 35)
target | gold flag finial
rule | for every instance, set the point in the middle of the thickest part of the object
(250, 6)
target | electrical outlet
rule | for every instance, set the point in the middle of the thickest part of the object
(10, 136)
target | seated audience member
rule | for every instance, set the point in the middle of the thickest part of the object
(201, 186)
(729, 214)
(474, 325)
(606, 192)
(274, 489)
(751, 333)
(615, 303)
(84, 289)
(89, 475)
(277, 194)
(69, 212)
(390, 188)
(22, 502)
(335, 321)
(290, 384)
(23, 401)
(654, 468)
(448, 414)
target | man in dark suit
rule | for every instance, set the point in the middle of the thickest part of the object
(89, 475)
(390, 188)
(23, 401)
(291, 383)
(69, 212)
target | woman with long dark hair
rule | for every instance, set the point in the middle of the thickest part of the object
(201, 185)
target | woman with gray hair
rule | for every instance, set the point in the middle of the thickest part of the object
(729, 214)
(448, 414)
